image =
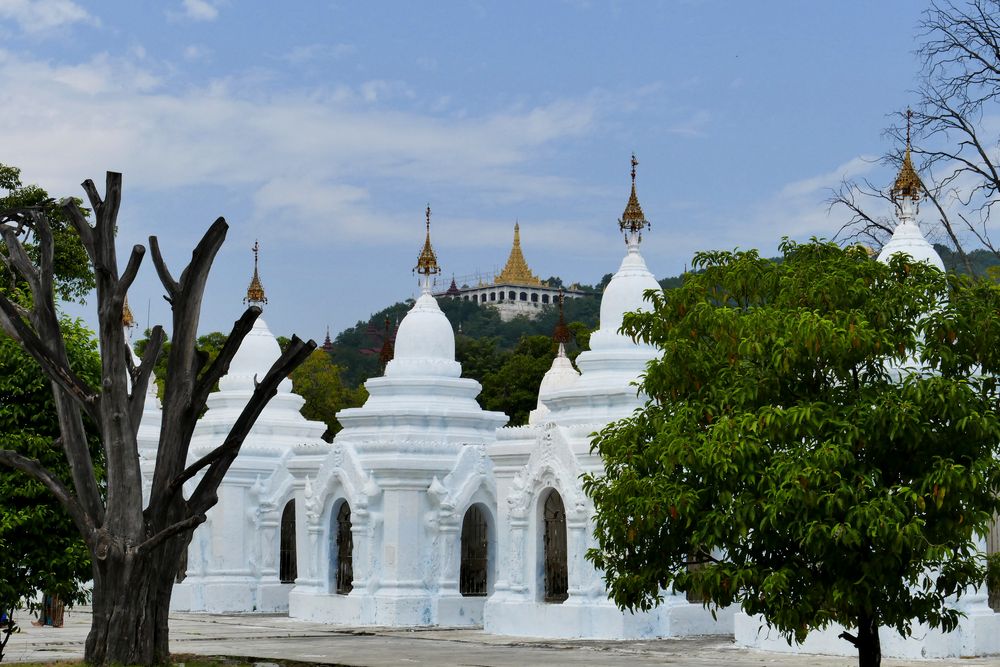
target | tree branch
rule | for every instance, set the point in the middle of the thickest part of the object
(189, 523)
(131, 269)
(140, 379)
(62, 375)
(204, 496)
(80, 224)
(220, 366)
(163, 272)
(34, 468)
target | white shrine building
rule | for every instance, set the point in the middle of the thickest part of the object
(426, 511)
(978, 632)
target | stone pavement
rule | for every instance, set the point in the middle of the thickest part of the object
(279, 637)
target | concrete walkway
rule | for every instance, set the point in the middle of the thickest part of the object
(281, 638)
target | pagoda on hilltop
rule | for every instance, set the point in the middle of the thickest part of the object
(516, 291)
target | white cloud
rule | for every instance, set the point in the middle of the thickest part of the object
(195, 52)
(800, 209)
(316, 161)
(198, 10)
(36, 16)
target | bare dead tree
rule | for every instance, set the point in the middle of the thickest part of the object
(954, 150)
(135, 550)
(863, 226)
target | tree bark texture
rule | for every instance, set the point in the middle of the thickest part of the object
(135, 550)
(131, 604)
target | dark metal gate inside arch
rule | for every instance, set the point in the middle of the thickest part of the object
(556, 580)
(473, 575)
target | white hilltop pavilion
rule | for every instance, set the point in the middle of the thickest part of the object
(242, 559)
(978, 632)
(399, 523)
(545, 586)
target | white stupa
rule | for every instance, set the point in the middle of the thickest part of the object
(561, 375)
(978, 631)
(243, 558)
(545, 586)
(907, 239)
(605, 390)
(390, 504)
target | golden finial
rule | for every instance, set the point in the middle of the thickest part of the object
(516, 271)
(907, 183)
(255, 292)
(633, 219)
(427, 262)
(128, 320)
(561, 333)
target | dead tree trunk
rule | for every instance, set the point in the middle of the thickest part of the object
(135, 550)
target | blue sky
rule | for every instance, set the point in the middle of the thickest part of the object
(324, 128)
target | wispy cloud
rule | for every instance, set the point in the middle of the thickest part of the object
(298, 152)
(38, 16)
(800, 209)
(196, 52)
(196, 10)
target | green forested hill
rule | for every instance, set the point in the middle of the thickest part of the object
(510, 358)
(507, 358)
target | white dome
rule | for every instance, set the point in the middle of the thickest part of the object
(622, 295)
(909, 240)
(425, 343)
(256, 355)
(561, 375)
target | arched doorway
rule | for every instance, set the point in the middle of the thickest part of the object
(474, 572)
(345, 550)
(554, 543)
(287, 567)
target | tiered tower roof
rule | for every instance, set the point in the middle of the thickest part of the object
(255, 292)
(907, 184)
(516, 271)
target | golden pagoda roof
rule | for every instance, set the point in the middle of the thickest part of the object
(516, 271)
(907, 183)
(633, 219)
(427, 264)
(255, 292)
(128, 320)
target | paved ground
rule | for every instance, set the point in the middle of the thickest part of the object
(278, 637)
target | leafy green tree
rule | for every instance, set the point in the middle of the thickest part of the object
(513, 388)
(788, 450)
(41, 549)
(479, 356)
(74, 278)
(318, 381)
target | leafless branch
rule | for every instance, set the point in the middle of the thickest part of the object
(55, 486)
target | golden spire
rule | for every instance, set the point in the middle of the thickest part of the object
(427, 264)
(128, 320)
(255, 292)
(907, 183)
(516, 271)
(633, 220)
